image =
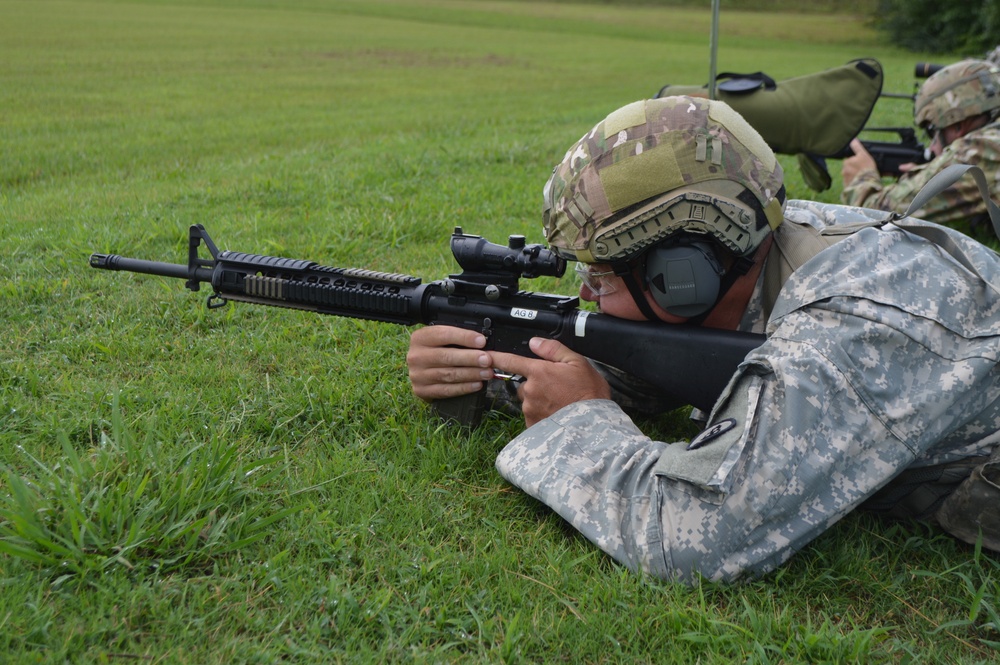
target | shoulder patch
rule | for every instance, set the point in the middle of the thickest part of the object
(713, 432)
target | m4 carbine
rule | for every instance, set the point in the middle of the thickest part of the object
(687, 364)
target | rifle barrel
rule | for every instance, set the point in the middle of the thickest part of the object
(116, 262)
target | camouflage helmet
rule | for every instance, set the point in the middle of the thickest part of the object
(655, 168)
(956, 92)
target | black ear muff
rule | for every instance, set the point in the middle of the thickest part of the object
(684, 279)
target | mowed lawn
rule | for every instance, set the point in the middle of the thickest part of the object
(255, 485)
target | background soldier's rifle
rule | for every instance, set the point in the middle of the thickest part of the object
(891, 155)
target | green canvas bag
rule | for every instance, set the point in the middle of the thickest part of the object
(817, 113)
(812, 116)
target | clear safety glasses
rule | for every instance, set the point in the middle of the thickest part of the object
(599, 281)
(934, 135)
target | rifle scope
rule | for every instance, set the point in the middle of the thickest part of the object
(518, 259)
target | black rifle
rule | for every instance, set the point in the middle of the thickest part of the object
(690, 365)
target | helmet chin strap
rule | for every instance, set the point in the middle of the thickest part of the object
(740, 268)
(624, 270)
(727, 314)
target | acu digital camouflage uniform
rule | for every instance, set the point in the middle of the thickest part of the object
(881, 357)
(880, 360)
(949, 96)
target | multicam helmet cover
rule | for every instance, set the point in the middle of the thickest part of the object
(656, 167)
(957, 92)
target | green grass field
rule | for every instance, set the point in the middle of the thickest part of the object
(253, 485)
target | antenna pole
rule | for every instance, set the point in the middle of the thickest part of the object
(713, 43)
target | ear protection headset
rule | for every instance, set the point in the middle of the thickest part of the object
(684, 277)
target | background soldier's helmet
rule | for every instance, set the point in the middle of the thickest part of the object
(956, 92)
(659, 167)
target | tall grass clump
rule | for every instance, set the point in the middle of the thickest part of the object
(133, 504)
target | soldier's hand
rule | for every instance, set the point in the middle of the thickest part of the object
(860, 161)
(557, 378)
(445, 361)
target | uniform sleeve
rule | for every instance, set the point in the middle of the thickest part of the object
(866, 191)
(590, 464)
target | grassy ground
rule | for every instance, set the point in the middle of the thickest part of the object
(255, 485)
